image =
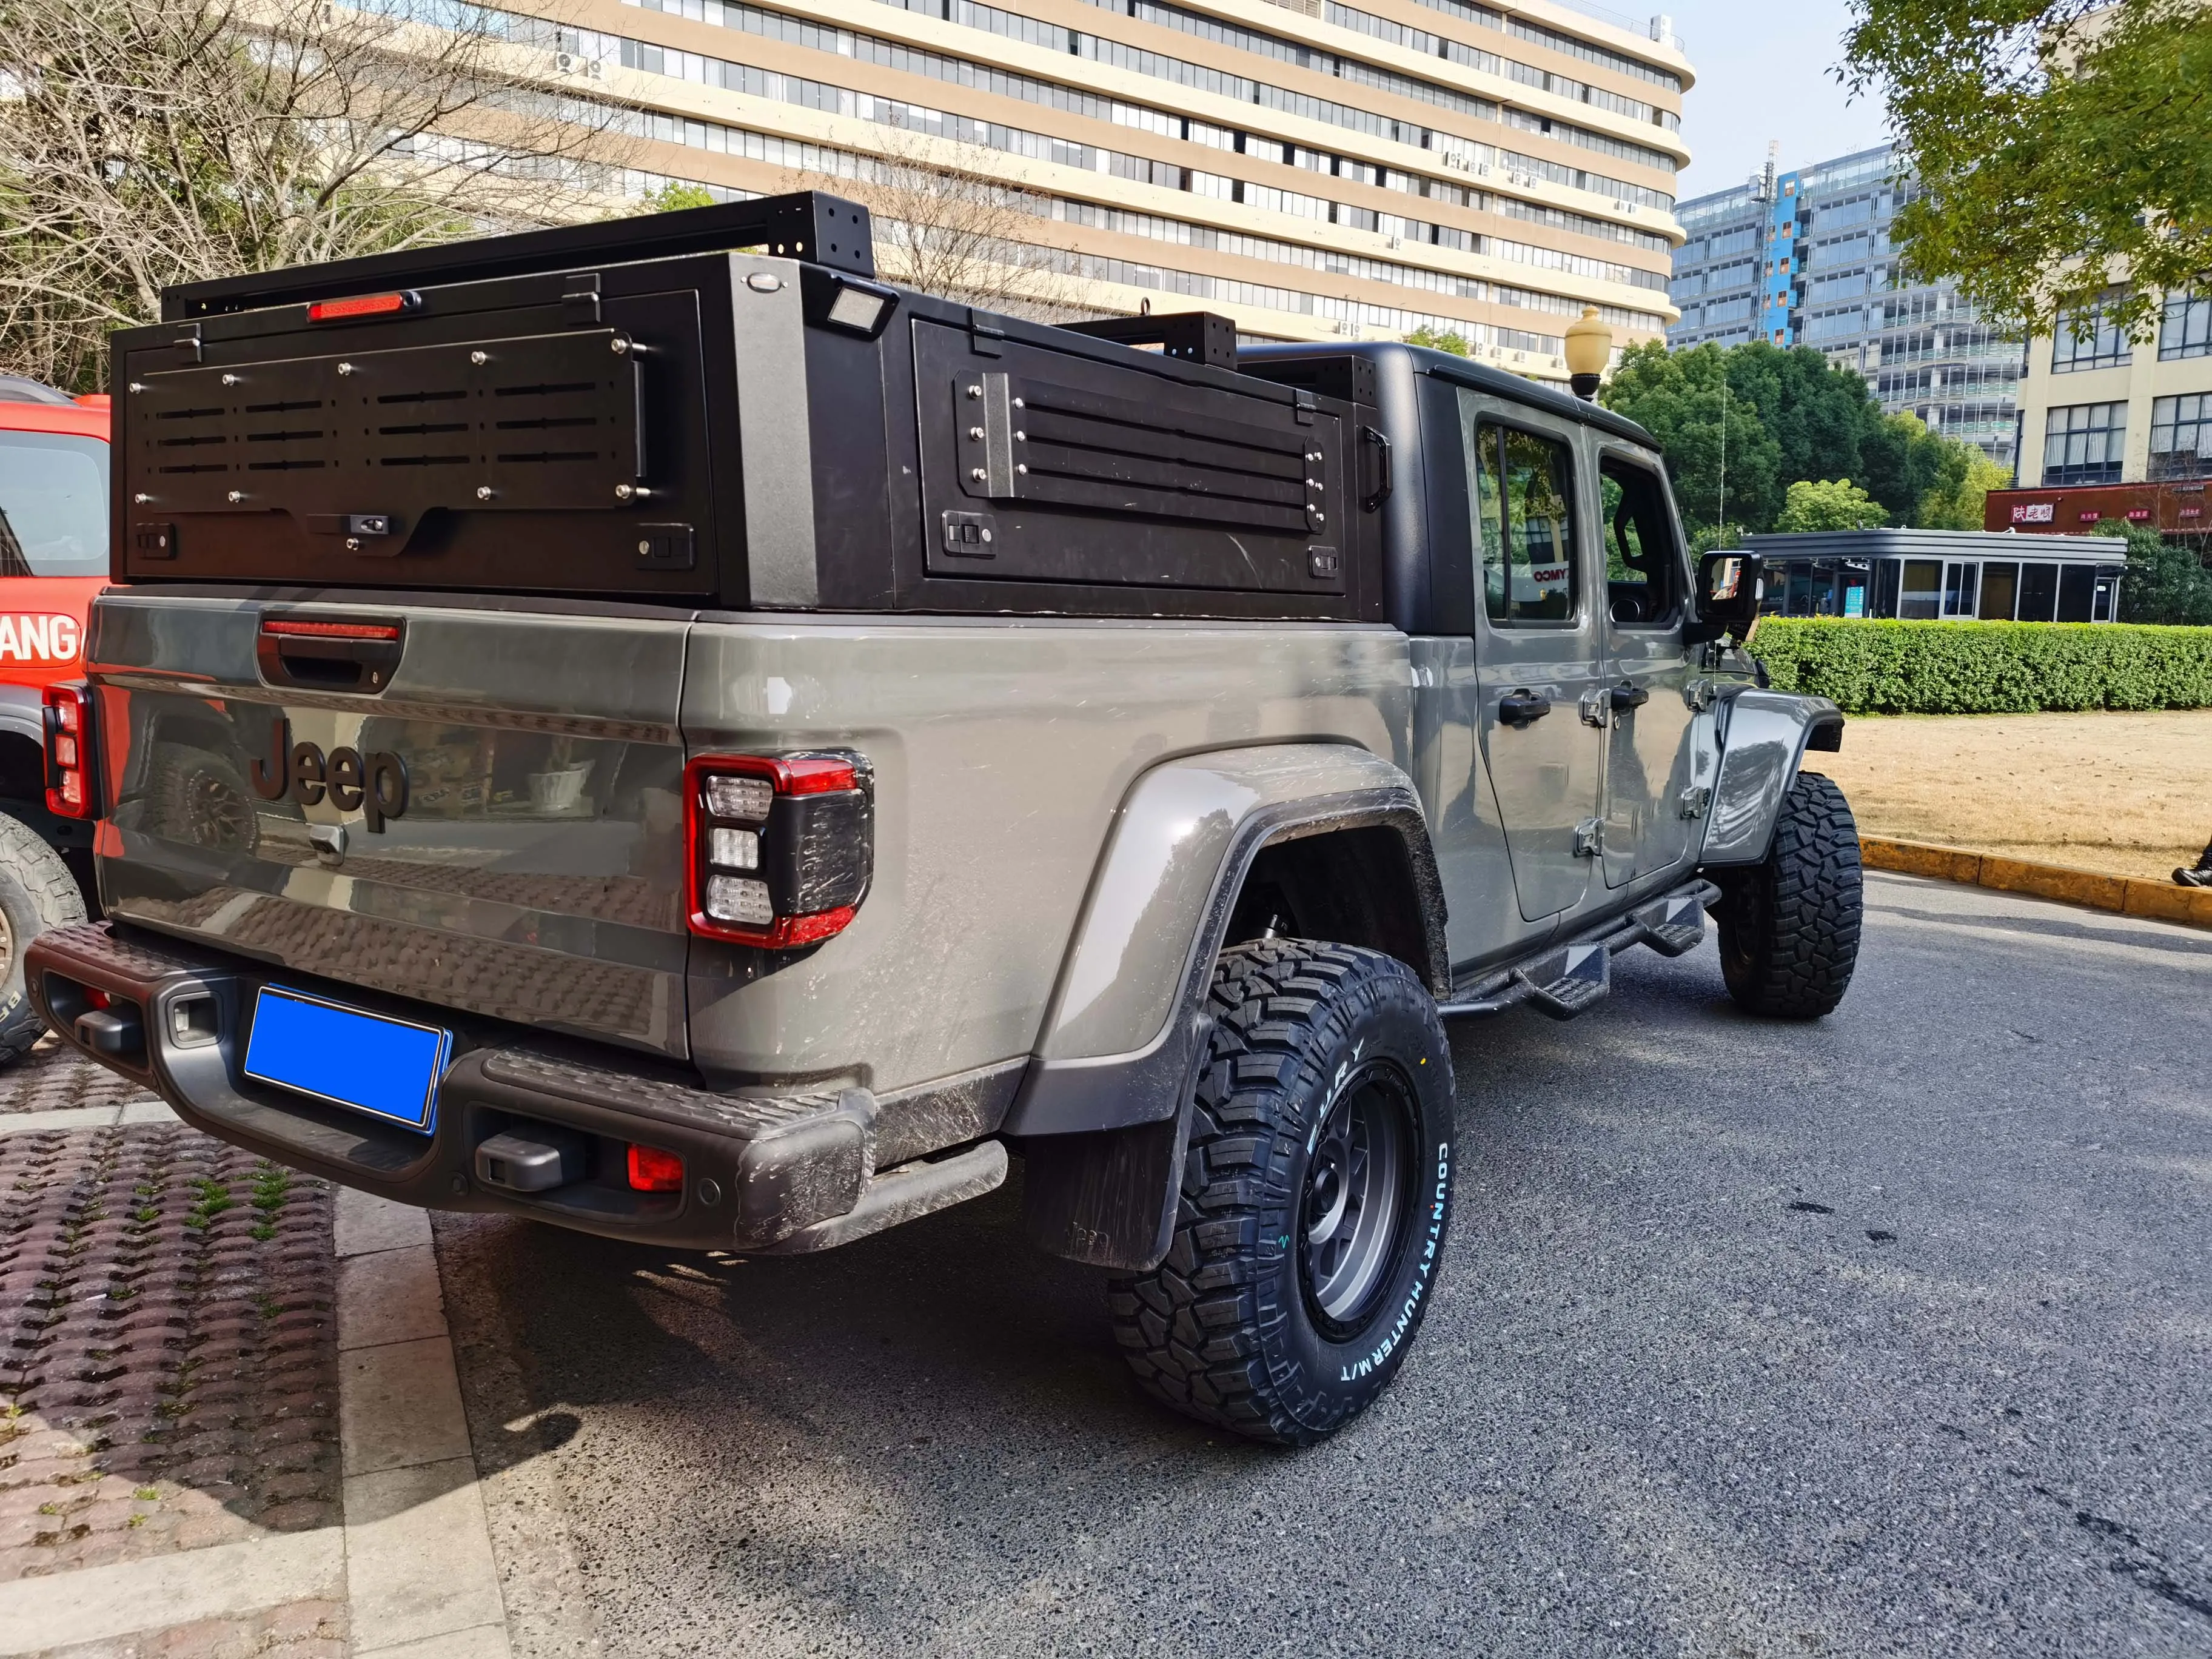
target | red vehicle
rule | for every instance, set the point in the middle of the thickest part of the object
(53, 558)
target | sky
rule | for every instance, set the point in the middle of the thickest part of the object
(1763, 72)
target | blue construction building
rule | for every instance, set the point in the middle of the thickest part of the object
(1804, 259)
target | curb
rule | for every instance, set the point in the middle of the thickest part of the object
(2131, 895)
(421, 1578)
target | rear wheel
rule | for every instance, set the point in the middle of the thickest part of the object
(1315, 1195)
(1789, 926)
(37, 893)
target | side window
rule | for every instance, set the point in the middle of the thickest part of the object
(1642, 572)
(1524, 493)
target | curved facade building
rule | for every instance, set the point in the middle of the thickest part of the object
(1309, 169)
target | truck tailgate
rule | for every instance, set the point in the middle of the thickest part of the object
(255, 750)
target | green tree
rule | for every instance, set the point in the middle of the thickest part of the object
(1439, 340)
(1724, 461)
(2165, 583)
(1817, 411)
(674, 195)
(1956, 500)
(1820, 504)
(2060, 146)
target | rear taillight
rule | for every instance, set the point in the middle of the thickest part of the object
(781, 846)
(69, 751)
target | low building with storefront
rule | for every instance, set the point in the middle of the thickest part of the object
(1942, 574)
(2116, 429)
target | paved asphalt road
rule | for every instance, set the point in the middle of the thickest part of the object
(1888, 1336)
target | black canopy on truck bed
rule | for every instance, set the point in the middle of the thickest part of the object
(719, 407)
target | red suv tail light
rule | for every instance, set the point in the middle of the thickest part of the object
(781, 847)
(70, 749)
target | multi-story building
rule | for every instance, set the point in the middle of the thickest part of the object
(1308, 168)
(2111, 427)
(1804, 259)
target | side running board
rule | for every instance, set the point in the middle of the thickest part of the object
(1568, 979)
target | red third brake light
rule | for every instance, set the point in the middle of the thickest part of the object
(70, 749)
(362, 304)
(291, 628)
(652, 1170)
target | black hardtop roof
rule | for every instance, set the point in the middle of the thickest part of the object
(1515, 388)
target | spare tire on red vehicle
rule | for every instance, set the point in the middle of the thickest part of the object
(37, 893)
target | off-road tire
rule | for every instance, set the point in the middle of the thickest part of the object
(37, 893)
(199, 798)
(1228, 1328)
(1788, 927)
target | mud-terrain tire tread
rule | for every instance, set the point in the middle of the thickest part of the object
(38, 892)
(1189, 1329)
(1789, 929)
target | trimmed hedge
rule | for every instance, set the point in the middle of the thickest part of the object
(1987, 667)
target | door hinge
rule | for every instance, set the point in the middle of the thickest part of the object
(1596, 706)
(1699, 694)
(1590, 838)
(1694, 802)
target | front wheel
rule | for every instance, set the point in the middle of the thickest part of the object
(1790, 925)
(1315, 1198)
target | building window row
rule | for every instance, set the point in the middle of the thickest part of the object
(694, 68)
(891, 54)
(2186, 328)
(1012, 25)
(2181, 436)
(2084, 443)
(2089, 339)
(1216, 32)
(717, 138)
(1408, 38)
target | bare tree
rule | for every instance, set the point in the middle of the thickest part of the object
(145, 142)
(951, 232)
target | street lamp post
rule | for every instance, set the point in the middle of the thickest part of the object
(1589, 348)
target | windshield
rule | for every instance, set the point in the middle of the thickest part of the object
(53, 505)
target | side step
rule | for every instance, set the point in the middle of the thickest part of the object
(1569, 979)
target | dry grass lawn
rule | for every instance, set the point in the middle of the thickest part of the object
(2127, 794)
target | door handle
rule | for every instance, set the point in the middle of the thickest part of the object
(1629, 695)
(1520, 707)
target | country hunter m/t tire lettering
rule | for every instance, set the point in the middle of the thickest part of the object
(1790, 925)
(1315, 1196)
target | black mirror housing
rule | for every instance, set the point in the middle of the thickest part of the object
(1729, 588)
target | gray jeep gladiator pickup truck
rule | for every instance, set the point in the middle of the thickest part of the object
(646, 727)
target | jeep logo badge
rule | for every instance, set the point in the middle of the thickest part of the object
(374, 784)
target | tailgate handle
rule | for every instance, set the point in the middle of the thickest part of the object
(328, 654)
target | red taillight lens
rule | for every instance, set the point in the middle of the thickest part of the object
(69, 751)
(362, 304)
(652, 1170)
(781, 847)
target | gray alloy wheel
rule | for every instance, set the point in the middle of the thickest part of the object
(1354, 1194)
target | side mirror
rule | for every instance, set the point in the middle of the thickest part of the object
(1729, 588)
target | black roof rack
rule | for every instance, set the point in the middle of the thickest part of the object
(808, 224)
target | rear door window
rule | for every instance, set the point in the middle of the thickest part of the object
(53, 505)
(1524, 514)
(1643, 570)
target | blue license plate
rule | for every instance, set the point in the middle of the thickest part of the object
(388, 1068)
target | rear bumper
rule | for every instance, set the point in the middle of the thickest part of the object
(782, 1173)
